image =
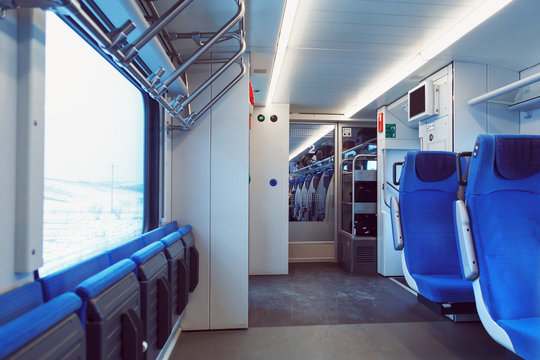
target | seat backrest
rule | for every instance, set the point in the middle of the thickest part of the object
(49, 330)
(19, 301)
(126, 250)
(67, 279)
(305, 190)
(503, 199)
(170, 228)
(428, 188)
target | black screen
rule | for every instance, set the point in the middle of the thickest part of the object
(417, 101)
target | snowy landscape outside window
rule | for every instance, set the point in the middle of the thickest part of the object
(94, 152)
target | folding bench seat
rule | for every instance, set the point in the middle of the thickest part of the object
(67, 280)
(156, 314)
(423, 227)
(111, 313)
(178, 272)
(191, 255)
(159, 233)
(32, 329)
(499, 237)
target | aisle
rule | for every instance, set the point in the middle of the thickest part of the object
(319, 311)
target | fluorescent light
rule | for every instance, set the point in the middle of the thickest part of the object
(477, 16)
(284, 34)
(311, 140)
(381, 86)
(439, 43)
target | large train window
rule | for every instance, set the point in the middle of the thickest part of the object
(94, 152)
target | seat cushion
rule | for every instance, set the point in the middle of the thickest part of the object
(444, 288)
(20, 331)
(525, 336)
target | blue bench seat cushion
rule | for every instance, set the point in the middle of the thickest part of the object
(524, 335)
(170, 228)
(19, 301)
(184, 230)
(66, 280)
(153, 236)
(125, 251)
(146, 253)
(171, 238)
(93, 286)
(20, 331)
(444, 288)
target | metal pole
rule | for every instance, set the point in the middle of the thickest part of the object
(132, 50)
(505, 89)
(217, 74)
(239, 15)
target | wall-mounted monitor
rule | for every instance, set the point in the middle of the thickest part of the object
(421, 101)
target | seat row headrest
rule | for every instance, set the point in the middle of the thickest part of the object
(505, 162)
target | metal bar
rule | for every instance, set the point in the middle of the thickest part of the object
(195, 116)
(239, 15)
(166, 36)
(214, 76)
(133, 49)
(505, 89)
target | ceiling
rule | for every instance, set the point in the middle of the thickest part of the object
(340, 48)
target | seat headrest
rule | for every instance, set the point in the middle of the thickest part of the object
(517, 158)
(505, 162)
(434, 166)
(429, 170)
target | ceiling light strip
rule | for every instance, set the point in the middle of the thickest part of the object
(439, 43)
(284, 35)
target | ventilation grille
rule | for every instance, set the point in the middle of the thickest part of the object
(365, 254)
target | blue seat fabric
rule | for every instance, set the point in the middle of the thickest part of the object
(19, 301)
(503, 199)
(66, 280)
(125, 251)
(143, 255)
(428, 226)
(25, 328)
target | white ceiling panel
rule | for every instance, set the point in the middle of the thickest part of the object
(339, 48)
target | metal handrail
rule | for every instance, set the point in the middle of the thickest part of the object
(114, 43)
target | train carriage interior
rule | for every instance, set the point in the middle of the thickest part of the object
(285, 179)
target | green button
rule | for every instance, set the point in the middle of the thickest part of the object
(260, 117)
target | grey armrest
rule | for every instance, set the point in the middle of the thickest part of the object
(396, 223)
(466, 249)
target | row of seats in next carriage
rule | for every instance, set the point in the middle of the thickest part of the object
(483, 250)
(119, 305)
(309, 196)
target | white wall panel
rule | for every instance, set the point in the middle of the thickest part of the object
(12, 53)
(229, 205)
(210, 172)
(191, 201)
(269, 223)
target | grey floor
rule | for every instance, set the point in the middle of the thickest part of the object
(319, 311)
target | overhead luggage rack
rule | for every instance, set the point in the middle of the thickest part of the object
(113, 42)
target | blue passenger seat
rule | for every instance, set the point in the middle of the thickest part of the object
(178, 272)
(191, 256)
(32, 329)
(67, 280)
(111, 313)
(502, 256)
(156, 315)
(423, 226)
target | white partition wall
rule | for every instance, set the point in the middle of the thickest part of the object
(268, 213)
(395, 138)
(209, 190)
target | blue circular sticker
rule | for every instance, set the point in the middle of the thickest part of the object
(273, 182)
